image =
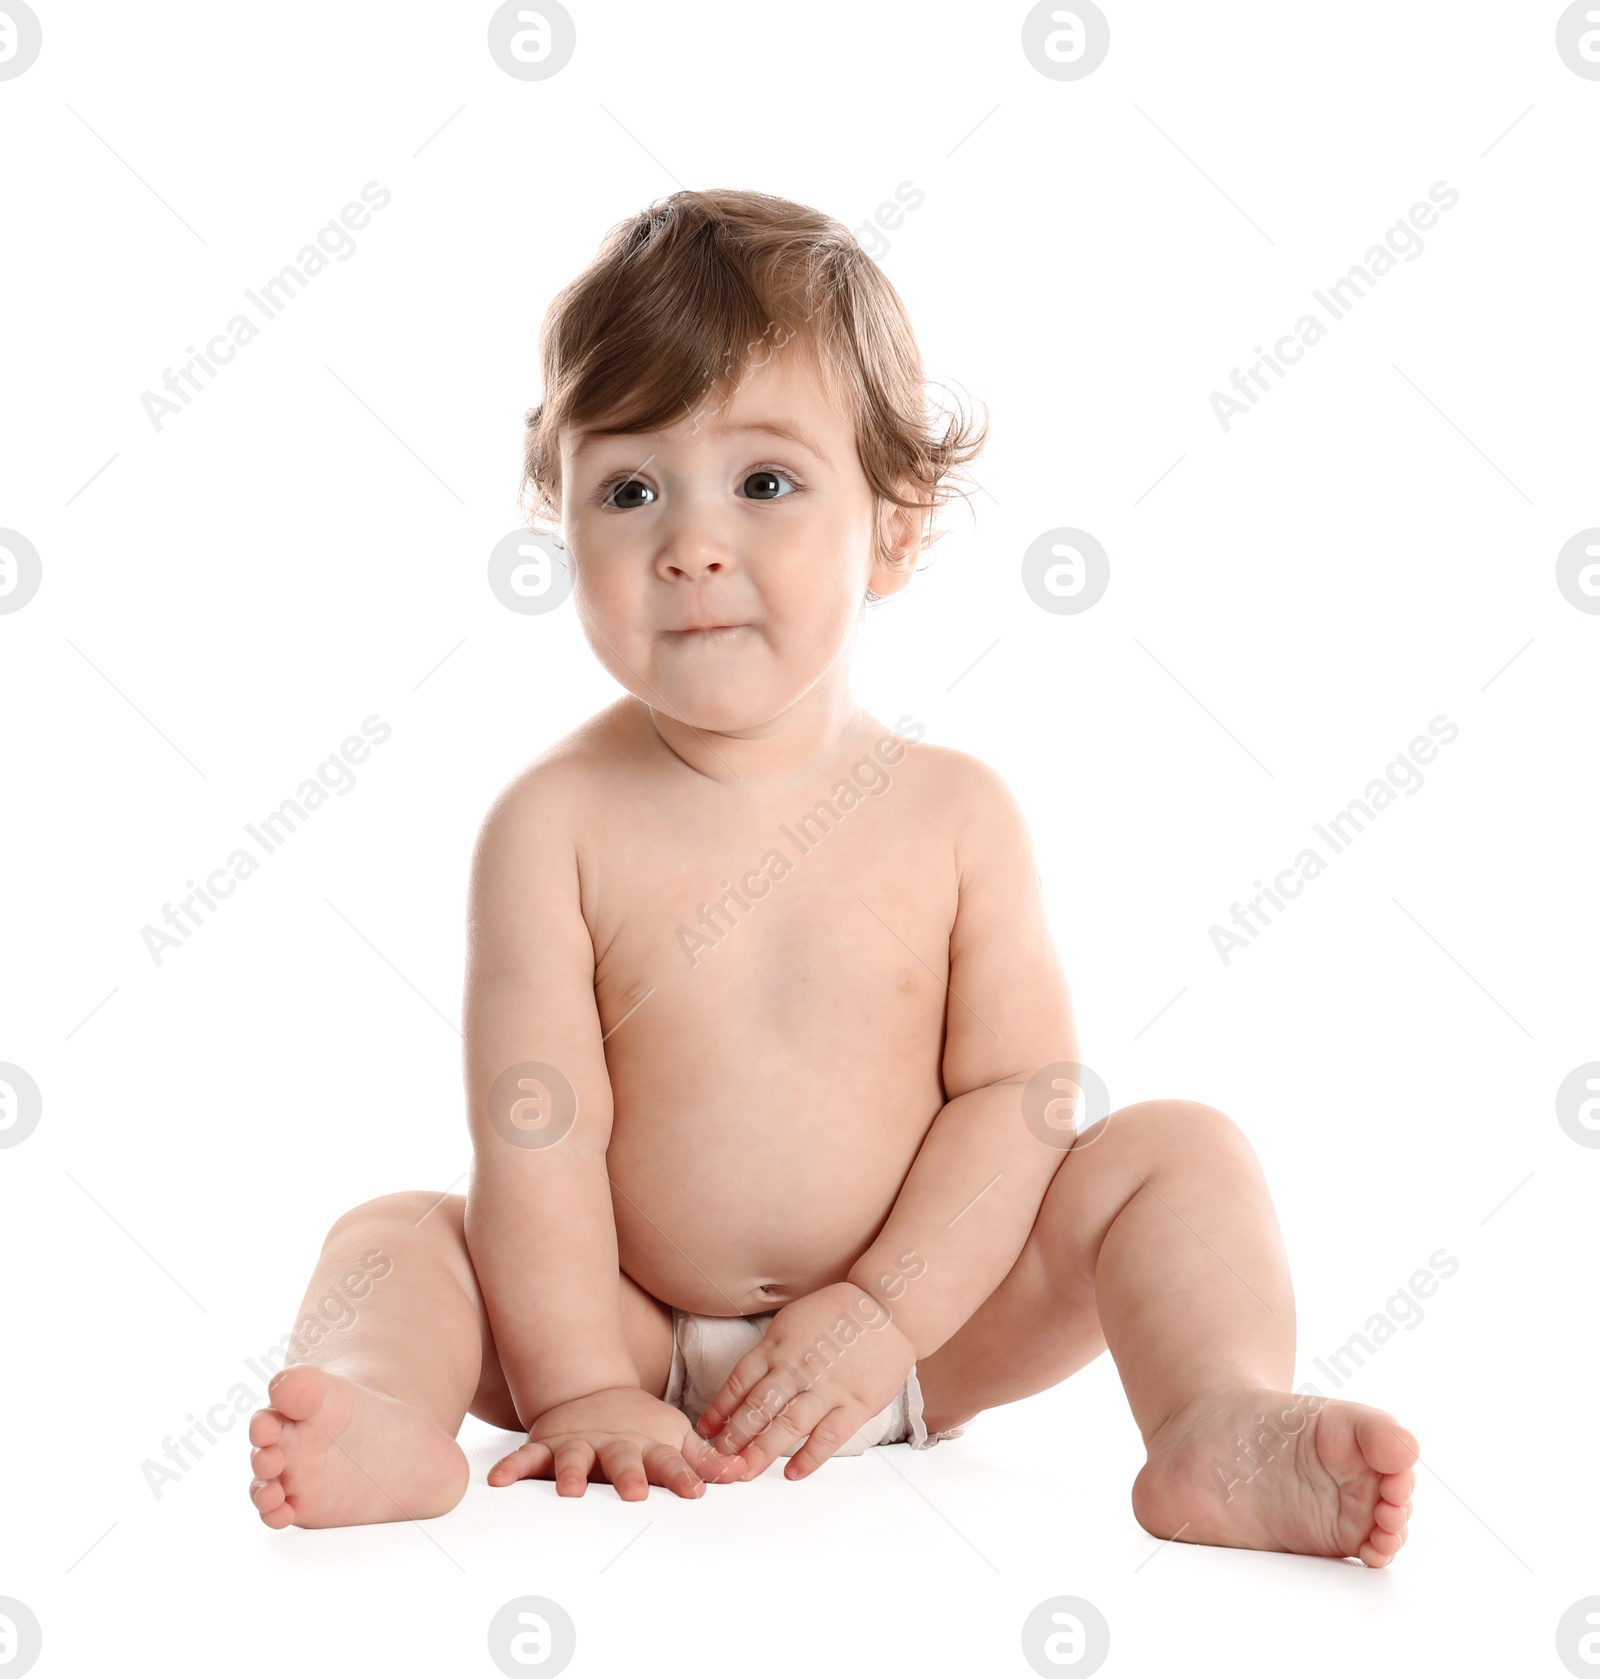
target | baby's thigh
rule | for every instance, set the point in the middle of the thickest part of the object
(646, 1327)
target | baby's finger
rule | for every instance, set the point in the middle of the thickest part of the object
(707, 1463)
(725, 1401)
(761, 1406)
(624, 1469)
(792, 1425)
(529, 1459)
(573, 1461)
(827, 1437)
(668, 1468)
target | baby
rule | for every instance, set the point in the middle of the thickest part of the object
(770, 1063)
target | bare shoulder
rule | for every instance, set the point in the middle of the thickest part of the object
(547, 793)
(528, 864)
(974, 802)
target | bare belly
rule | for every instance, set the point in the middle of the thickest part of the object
(762, 1129)
(711, 1223)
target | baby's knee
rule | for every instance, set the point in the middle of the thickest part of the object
(404, 1209)
(1167, 1125)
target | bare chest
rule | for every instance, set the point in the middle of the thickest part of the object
(826, 914)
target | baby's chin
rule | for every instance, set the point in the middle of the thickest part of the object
(725, 702)
(727, 710)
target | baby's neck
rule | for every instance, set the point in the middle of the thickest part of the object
(785, 749)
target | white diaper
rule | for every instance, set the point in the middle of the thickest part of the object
(705, 1349)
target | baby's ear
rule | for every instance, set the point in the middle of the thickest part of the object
(899, 542)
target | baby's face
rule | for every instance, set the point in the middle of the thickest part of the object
(719, 565)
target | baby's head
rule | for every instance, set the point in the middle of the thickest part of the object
(738, 447)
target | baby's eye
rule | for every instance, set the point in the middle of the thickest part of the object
(615, 492)
(766, 480)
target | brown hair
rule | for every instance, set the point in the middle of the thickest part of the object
(678, 300)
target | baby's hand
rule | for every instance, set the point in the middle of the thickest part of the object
(636, 1439)
(777, 1394)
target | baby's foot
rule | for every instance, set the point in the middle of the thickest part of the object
(331, 1453)
(1280, 1472)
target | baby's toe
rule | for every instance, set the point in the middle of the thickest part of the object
(298, 1391)
(266, 1495)
(265, 1428)
(1387, 1447)
(267, 1462)
(1391, 1517)
(1397, 1489)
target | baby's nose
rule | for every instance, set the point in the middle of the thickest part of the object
(694, 555)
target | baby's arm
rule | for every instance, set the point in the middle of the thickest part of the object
(539, 1223)
(970, 1199)
(979, 1179)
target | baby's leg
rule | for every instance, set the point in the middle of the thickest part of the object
(1158, 1224)
(361, 1425)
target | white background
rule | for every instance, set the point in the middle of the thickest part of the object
(1289, 605)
